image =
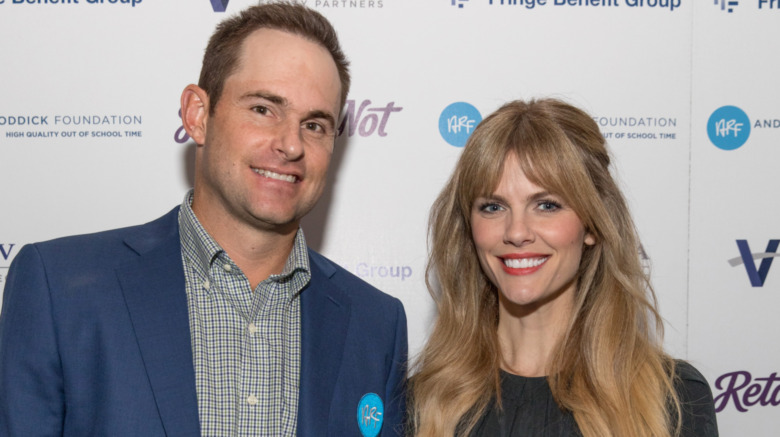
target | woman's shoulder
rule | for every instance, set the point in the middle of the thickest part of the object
(696, 402)
(685, 371)
(693, 384)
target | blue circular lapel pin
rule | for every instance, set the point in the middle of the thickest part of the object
(370, 415)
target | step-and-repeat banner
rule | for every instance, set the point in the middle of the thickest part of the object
(685, 92)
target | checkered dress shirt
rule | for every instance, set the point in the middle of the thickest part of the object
(246, 345)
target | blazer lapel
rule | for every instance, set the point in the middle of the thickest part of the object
(325, 311)
(154, 290)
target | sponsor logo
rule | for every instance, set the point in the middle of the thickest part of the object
(644, 259)
(364, 119)
(531, 4)
(6, 255)
(624, 127)
(728, 128)
(757, 275)
(71, 126)
(727, 5)
(132, 3)
(743, 391)
(370, 271)
(344, 4)
(770, 4)
(767, 123)
(219, 5)
(370, 414)
(6, 249)
(180, 136)
(457, 121)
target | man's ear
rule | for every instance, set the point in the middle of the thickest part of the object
(195, 112)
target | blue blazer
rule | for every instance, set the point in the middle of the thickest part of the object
(95, 341)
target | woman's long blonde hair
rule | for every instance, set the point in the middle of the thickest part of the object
(609, 369)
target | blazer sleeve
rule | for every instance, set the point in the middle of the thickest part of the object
(395, 415)
(31, 382)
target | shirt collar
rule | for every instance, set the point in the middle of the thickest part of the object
(202, 250)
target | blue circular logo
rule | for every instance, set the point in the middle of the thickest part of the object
(457, 122)
(728, 127)
(370, 414)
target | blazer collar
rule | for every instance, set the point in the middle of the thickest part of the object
(154, 289)
(325, 312)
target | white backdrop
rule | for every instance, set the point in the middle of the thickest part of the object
(652, 72)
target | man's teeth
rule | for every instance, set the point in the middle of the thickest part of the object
(272, 175)
(524, 263)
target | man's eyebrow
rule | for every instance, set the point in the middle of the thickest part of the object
(273, 98)
(281, 101)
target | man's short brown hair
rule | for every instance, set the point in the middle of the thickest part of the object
(224, 48)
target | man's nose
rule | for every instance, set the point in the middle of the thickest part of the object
(289, 142)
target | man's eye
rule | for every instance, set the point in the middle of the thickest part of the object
(314, 126)
(262, 110)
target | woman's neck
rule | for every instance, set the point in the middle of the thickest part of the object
(527, 339)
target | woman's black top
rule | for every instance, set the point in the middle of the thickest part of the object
(530, 410)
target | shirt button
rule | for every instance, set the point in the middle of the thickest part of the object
(251, 400)
(252, 328)
(227, 267)
(206, 284)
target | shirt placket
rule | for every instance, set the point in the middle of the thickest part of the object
(241, 348)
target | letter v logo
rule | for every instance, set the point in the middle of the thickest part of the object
(757, 275)
(219, 5)
(5, 253)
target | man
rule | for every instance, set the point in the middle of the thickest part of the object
(214, 319)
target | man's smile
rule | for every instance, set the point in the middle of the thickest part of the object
(273, 175)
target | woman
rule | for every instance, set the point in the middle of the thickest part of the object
(547, 324)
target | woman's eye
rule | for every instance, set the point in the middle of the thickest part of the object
(548, 206)
(490, 207)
